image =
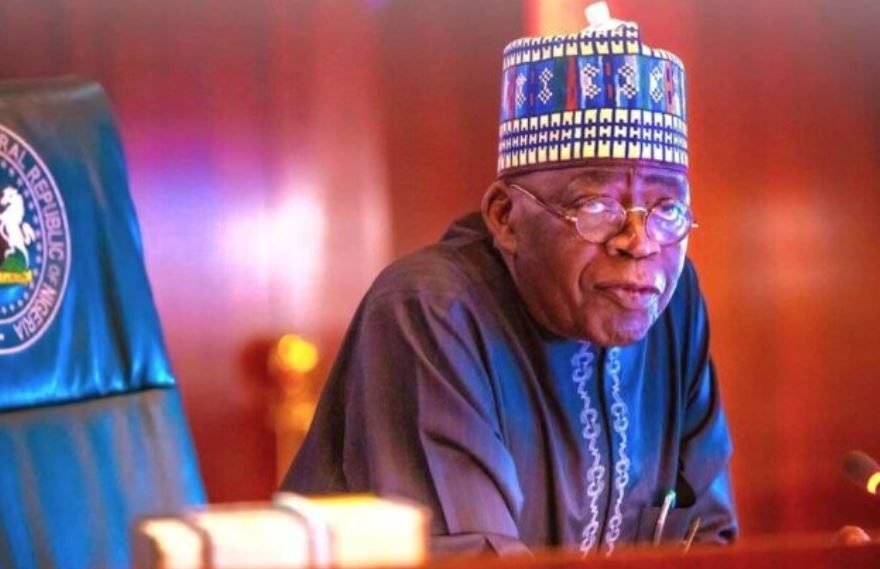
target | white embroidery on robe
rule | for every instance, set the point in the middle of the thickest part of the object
(582, 364)
(620, 422)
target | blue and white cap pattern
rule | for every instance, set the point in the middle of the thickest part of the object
(599, 94)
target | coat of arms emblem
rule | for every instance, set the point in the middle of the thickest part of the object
(34, 245)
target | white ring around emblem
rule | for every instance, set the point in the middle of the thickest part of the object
(61, 288)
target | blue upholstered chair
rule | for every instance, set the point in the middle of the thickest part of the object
(92, 432)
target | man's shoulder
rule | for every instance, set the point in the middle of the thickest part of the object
(687, 296)
(686, 318)
(462, 269)
(441, 272)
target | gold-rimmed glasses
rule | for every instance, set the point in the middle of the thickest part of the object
(600, 218)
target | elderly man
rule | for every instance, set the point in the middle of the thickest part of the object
(541, 377)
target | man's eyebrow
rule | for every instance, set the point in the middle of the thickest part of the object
(599, 176)
(671, 182)
(575, 189)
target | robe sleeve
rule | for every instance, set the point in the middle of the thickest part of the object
(413, 404)
(706, 448)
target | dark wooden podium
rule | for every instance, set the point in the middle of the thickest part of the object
(780, 553)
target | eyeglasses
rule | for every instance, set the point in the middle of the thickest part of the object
(600, 218)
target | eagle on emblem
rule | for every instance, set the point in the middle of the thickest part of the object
(15, 231)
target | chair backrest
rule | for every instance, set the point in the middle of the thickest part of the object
(92, 431)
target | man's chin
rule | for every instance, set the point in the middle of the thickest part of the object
(622, 332)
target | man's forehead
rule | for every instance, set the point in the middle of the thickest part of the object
(570, 182)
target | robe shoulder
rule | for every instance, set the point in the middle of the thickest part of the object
(463, 271)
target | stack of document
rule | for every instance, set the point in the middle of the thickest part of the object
(291, 532)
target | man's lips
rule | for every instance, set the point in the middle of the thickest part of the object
(630, 295)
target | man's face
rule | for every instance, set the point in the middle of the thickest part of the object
(608, 294)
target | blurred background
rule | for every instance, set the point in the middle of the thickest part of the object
(281, 152)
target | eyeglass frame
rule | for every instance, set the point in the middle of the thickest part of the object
(572, 219)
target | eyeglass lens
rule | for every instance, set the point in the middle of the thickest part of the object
(600, 219)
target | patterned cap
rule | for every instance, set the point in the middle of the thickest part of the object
(599, 94)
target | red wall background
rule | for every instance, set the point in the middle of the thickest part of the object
(282, 151)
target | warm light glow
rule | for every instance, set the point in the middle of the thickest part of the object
(299, 244)
(558, 17)
(296, 354)
(873, 482)
(283, 246)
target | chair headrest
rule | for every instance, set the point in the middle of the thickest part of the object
(77, 318)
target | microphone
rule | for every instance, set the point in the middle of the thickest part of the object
(862, 470)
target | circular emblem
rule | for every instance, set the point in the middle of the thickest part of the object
(34, 245)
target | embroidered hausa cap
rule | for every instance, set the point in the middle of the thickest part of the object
(599, 94)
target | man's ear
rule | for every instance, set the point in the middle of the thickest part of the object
(498, 214)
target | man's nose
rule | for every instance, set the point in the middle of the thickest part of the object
(632, 240)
